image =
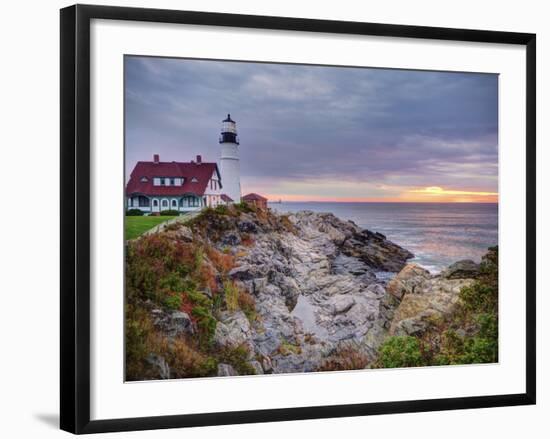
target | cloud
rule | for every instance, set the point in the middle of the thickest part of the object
(375, 128)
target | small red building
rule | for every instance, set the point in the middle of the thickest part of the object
(255, 200)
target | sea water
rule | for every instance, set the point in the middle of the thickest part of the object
(437, 233)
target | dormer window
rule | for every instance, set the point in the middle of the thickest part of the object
(194, 180)
(144, 179)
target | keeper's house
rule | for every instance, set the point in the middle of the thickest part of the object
(183, 186)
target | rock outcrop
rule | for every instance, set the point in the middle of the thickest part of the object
(319, 284)
(315, 288)
(426, 298)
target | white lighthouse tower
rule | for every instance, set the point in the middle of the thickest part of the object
(229, 160)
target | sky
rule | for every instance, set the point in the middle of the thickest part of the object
(318, 133)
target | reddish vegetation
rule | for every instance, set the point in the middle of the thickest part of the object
(224, 262)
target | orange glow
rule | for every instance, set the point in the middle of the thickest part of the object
(436, 190)
(406, 197)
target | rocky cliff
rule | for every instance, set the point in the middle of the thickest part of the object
(281, 293)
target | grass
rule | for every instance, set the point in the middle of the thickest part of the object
(137, 225)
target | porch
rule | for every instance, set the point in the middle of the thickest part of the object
(156, 204)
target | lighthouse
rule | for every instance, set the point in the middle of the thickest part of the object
(229, 160)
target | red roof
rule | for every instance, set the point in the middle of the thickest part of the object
(226, 198)
(190, 171)
(254, 197)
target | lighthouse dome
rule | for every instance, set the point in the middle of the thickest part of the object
(229, 131)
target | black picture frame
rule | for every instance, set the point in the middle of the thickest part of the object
(75, 217)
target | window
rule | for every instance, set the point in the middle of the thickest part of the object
(190, 201)
(156, 181)
(164, 203)
(175, 204)
(144, 179)
(155, 203)
(162, 181)
(143, 201)
(194, 180)
(172, 182)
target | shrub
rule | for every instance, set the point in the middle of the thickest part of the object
(488, 326)
(479, 298)
(287, 225)
(205, 323)
(401, 351)
(210, 222)
(287, 348)
(480, 350)
(185, 361)
(157, 266)
(223, 262)
(231, 293)
(248, 304)
(244, 207)
(207, 277)
(221, 210)
(173, 301)
(173, 226)
(138, 329)
(345, 358)
(169, 212)
(134, 212)
(238, 358)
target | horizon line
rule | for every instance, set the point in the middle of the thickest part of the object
(387, 202)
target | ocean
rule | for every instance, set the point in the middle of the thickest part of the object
(437, 233)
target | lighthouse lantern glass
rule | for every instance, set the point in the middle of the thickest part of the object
(229, 127)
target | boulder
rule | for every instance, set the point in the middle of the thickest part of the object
(465, 269)
(266, 365)
(408, 281)
(232, 330)
(226, 370)
(173, 323)
(341, 304)
(433, 300)
(184, 233)
(257, 366)
(247, 226)
(230, 239)
(159, 365)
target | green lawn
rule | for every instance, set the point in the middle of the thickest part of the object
(136, 225)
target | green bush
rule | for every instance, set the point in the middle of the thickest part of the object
(479, 297)
(173, 302)
(206, 324)
(401, 351)
(169, 212)
(243, 206)
(134, 212)
(221, 209)
(231, 293)
(238, 358)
